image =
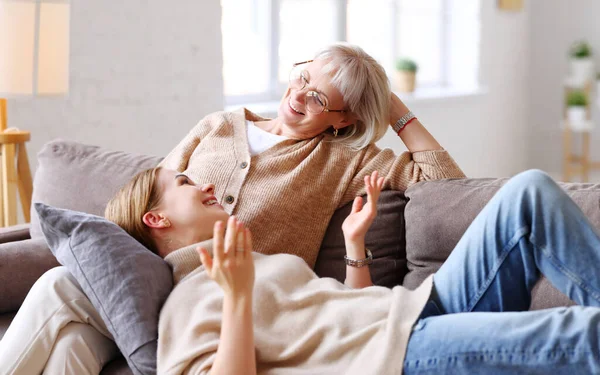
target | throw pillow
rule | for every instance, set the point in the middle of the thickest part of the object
(125, 282)
(65, 166)
(385, 239)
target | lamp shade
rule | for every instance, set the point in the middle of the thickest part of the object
(34, 47)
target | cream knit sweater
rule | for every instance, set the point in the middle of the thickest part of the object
(303, 325)
(288, 193)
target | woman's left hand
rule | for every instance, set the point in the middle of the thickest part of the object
(360, 219)
(232, 266)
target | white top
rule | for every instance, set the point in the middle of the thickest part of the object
(260, 140)
(303, 324)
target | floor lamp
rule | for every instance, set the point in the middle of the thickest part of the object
(34, 61)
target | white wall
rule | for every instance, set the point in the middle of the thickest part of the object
(487, 134)
(555, 25)
(142, 74)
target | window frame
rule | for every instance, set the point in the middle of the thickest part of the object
(275, 88)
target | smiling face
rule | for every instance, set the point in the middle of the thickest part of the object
(298, 121)
(186, 210)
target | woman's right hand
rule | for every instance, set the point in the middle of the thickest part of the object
(232, 266)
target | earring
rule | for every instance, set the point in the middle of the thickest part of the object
(335, 132)
(167, 223)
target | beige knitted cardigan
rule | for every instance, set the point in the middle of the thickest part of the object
(288, 193)
(303, 324)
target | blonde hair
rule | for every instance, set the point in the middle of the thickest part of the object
(126, 209)
(365, 87)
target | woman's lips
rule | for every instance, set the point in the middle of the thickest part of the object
(294, 111)
(214, 201)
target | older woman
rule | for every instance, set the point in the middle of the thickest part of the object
(285, 176)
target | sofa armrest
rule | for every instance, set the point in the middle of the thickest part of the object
(14, 233)
(21, 264)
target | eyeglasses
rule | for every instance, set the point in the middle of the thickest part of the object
(315, 101)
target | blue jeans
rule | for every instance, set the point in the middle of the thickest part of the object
(476, 320)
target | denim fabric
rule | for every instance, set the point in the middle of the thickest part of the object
(475, 321)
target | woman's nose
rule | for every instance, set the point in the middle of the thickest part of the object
(300, 95)
(208, 188)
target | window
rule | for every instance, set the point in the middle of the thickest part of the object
(263, 38)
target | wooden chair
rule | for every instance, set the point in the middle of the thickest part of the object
(16, 174)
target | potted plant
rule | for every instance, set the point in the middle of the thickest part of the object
(582, 65)
(406, 74)
(576, 109)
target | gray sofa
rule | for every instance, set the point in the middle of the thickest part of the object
(411, 237)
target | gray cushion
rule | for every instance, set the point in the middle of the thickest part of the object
(125, 282)
(81, 177)
(439, 212)
(385, 239)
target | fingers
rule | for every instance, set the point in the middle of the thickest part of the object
(370, 183)
(240, 241)
(230, 235)
(205, 258)
(248, 241)
(218, 234)
(357, 205)
(373, 185)
(368, 187)
(374, 176)
(374, 182)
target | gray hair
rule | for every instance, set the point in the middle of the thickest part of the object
(365, 87)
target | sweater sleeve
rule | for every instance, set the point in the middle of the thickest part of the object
(189, 331)
(400, 171)
(179, 157)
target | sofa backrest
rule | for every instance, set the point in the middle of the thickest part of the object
(439, 212)
(385, 239)
(81, 177)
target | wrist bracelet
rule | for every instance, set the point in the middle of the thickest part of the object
(360, 262)
(403, 121)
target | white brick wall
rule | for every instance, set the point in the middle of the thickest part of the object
(142, 74)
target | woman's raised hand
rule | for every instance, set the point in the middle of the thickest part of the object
(232, 265)
(360, 219)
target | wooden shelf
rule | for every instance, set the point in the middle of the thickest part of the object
(578, 164)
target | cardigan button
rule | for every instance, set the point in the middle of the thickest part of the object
(243, 165)
(229, 199)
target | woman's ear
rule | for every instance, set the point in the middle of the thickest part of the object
(155, 220)
(346, 119)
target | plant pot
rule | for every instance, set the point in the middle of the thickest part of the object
(582, 70)
(405, 81)
(577, 118)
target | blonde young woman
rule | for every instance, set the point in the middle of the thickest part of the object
(273, 315)
(286, 176)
